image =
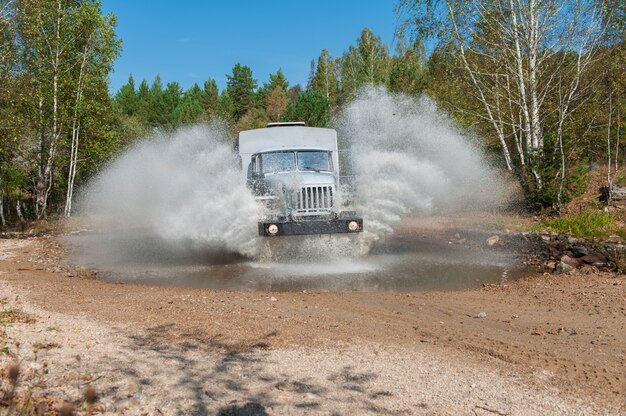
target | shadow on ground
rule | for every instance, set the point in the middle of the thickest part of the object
(208, 376)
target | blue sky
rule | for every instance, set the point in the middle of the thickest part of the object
(189, 41)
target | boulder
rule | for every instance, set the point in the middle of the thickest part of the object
(493, 240)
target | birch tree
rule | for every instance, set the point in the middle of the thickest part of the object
(97, 48)
(519, 55)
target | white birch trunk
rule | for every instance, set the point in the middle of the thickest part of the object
(75, 136)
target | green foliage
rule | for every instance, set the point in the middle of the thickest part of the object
(240, 88)
(127, 99)
(590, 224)
(325, 78)
(578, 181)
(407, 74)
(366, 63)
(225, 107)
(210, 97)
(312, 107)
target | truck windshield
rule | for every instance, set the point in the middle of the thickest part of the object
(315, 161)
(278, 162)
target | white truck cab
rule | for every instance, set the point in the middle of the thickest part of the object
(293, 171)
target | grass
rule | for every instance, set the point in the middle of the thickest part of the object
(589, 224)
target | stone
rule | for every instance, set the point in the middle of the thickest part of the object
(614, 239)
(595, 259)
(493, 240)
(579, 251)
(546, 238)
(562, 268)
(482, 315)
(572, 262)
(273, 299)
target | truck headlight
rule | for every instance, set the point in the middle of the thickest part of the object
(272, 229)
(353, 226)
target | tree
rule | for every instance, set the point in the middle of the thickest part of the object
(276, 103)
(190, 109)
(407, 74)
(325, 77)
(171, 100)
(312, 107)
(225, 108)
(143, 99)
(98, 49)
(155, 104)
(63, 44)
(525, 61)
(126, 99)
(210, 97)
(278, 80)
(240, 88)
(366, 63)
(275, 80)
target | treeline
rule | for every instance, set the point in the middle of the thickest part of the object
(246, 104)
(547, 99)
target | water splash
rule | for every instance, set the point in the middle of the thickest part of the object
(408, 157)
(179, 198)
(183, 189)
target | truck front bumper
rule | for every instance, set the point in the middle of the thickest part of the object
(307, 227)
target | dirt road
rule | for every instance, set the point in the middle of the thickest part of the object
(541, 345)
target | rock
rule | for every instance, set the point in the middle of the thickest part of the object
(545, 238)
(493, 240)
(572, 262)
(556, 254)
(595, 259)
(273, 299)
(614, 239)
(562, 268)
(572, 240)
(551, 265)
(579, 251)
(482, 315)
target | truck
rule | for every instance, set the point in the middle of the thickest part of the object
(293, 173)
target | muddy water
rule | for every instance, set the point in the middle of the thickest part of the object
(398, 264)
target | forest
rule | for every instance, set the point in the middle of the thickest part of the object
(543, 85)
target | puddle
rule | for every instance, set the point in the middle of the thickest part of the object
(398, 264)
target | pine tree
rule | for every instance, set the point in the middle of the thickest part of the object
(210, 97)
(171, 100)
(225, 108)
(312, 107)
(155, 109)
(278, 80)
(240, 88)
(126, 99)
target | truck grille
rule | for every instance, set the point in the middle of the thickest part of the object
(315, 199)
